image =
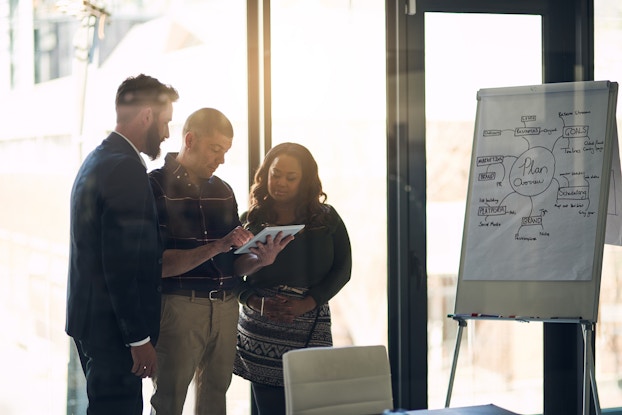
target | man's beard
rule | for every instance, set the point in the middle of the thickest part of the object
(152, 143)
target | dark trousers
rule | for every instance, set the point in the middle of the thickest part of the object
(270, 400)
(111, 386)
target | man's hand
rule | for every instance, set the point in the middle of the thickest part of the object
(236, 238)
(145, 360)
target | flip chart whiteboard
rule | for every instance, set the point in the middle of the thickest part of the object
(537, 201)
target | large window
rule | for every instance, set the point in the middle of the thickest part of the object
(491, 365)
(608, 66)
(328, 95)
(200, 49)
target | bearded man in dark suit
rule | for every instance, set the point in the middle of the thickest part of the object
(115, 264)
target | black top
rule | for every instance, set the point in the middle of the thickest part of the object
(319, 258)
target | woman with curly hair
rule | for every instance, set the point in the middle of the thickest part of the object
(285, 305)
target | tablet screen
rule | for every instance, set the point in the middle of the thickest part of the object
(270, 230)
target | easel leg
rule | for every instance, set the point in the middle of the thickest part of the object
(589, 378)
(461, 325)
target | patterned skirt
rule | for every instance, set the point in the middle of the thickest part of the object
(262, 342)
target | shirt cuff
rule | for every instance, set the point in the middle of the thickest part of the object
(140, 343)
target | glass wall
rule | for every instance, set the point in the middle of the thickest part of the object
(329, 94)
(608, 66)
(491, 365)
(328, 80)
(48, 128)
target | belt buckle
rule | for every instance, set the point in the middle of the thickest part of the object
(212, 294)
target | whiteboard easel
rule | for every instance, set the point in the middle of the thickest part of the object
(536, 210)
(537, 200)
(589, 378)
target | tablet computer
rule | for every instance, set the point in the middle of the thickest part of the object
(270, 230)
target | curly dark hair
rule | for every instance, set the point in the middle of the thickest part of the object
(311, 205)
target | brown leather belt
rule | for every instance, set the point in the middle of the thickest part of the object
(212, 295)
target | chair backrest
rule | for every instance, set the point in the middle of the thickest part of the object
(353, 380)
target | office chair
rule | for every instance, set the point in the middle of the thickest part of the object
(353, 380)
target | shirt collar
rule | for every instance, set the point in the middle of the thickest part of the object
(135, 149)
(179, 172)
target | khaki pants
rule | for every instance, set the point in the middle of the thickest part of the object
(197, 338)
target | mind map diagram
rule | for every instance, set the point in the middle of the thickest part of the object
(539, 180)
(538, 172)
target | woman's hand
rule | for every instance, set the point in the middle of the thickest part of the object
(261, 255)
(286, 309)
(266, 252)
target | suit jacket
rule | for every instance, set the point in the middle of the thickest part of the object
(115, 260)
